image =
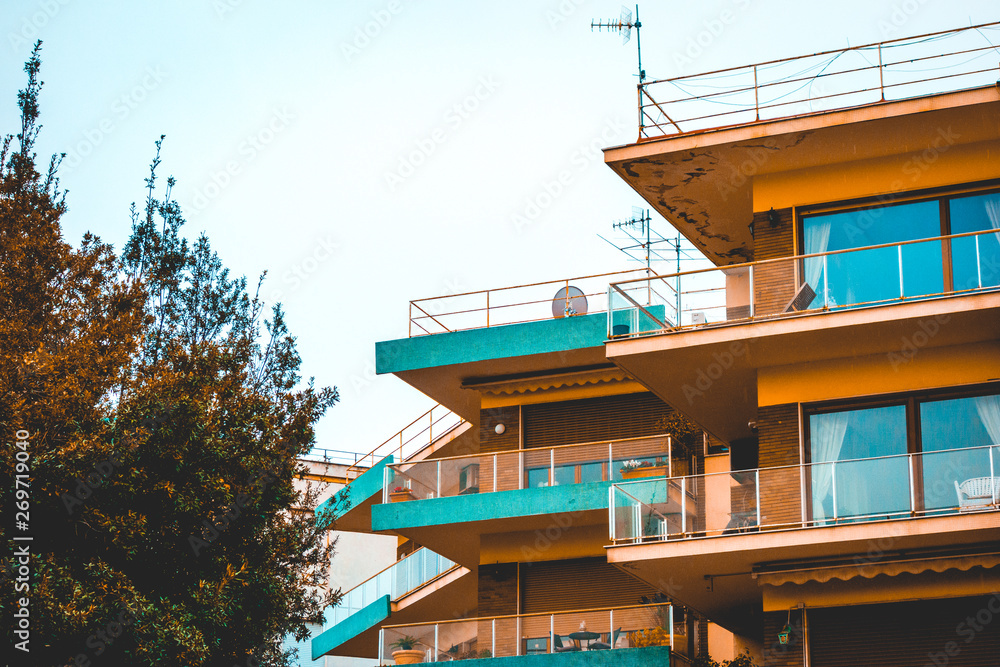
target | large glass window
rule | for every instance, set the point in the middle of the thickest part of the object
(948, 429)
(859, 466)
(848, 478)
(973, 214)
(873, 275)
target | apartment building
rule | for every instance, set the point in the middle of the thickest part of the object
(841, 359)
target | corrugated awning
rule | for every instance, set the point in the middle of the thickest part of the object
(872, 569)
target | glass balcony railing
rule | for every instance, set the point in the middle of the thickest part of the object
(402, 577)
(931, 483)
(532, 634)
(822, 282)
(526, 468)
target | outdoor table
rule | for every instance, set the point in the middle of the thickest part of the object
(584, 635)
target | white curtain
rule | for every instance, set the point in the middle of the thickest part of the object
(826, 440)
(817, 239)
(988, 408)
(993, 213)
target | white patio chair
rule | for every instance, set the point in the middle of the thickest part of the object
(978, 492)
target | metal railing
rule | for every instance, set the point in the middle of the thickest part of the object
(605, 628)
(404, 576)
(895, 69)
(333, 456)
(934, 483)
(511, 305)
(524, 468)
(415, 436)
(820, 282)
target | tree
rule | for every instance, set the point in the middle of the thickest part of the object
(163, 428)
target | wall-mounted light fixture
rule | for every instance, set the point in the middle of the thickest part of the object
(750, 227)
(773, 217)
(500, 428)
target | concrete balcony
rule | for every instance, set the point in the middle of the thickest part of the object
(625, 636)
(498, 502)
(718, 538)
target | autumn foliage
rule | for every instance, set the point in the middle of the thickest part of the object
(164, 414)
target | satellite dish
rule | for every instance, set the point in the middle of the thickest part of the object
(569, 301)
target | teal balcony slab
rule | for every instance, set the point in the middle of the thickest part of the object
(435, 522)
(511, 340)
(622, 657)
(361, 623)
(351, 505)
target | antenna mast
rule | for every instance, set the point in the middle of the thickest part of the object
(624, 25)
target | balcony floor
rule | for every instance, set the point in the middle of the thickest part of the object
(717, 575)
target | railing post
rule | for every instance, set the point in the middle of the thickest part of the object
(381, 646)
(833, 487)
(756, 96)
(751, 293)
(611, 627)
(993, 479)
(913, 486)
(979, 269)
(611, 514)
(611, 463)
(493, 646)
(756, 474)
(881, 85)
(434, 656)
(671, 617)
(495, 461)
(899, 254)
(552, 633)
(487, 309)
(438, 495)
(552, 467)
(670, 456)
(517, 637)
(826, 284)
(520, 468)
(684, 514)
(430, 426)
(385, 484)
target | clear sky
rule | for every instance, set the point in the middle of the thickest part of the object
(371, 152)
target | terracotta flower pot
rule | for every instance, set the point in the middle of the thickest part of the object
(410, 656)
(648, 471)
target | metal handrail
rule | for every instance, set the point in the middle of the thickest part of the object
(802, 468)
(423, 315)
(663, 127)
(429, 430)
(531, 615)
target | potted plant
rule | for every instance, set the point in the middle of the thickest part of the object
(634, 469)
(400, 493)
(686, 438)
(404, 653)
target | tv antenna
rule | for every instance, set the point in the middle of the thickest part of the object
(645, 244)
(624, 25)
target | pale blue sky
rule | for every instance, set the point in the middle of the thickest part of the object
(290, 131)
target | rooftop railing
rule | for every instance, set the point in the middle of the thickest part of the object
(402, 577)
(532, 634)
(513, 305)
(895, 69)
(934, 483)
(524, 468)
(410, 439)
(803, 284)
